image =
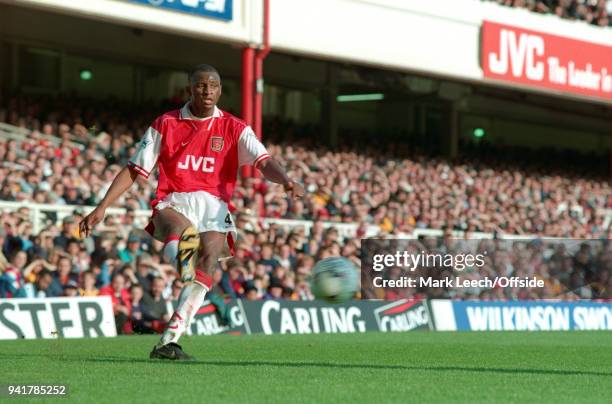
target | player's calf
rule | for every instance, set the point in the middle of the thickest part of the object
(195, 289)
(190, 300)
(170, 249)
(188, 246)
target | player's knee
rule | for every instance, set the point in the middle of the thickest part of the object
(177, 229)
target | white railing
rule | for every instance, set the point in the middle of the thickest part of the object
(344, 229)
(20, 135)
(39, 215)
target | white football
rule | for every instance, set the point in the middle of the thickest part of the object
(335, 280)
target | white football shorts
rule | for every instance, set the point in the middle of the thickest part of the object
(206, 212)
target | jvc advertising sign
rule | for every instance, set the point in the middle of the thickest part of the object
(219, 9)
(547, 61)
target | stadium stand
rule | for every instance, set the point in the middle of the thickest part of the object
(595, 12)
(376, 186)
(50, 156)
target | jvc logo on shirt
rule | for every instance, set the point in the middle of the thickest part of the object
(193, 163)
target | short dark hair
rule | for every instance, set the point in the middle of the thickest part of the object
(204, 68)
(15, 252)
(44, 272)
(73, 240)
(135, 285)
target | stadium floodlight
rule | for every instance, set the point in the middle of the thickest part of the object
(85, 74)
(360, 97)
(478, 132)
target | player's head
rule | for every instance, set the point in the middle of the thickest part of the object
(204, 88)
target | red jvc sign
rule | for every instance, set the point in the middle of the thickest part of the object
(547, 61)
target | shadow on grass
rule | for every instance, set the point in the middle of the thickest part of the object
(365, 366)
(372, 366)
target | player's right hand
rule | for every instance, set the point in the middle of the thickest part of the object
(294, 189)
(87, 224)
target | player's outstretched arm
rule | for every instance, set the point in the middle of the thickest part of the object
(122, 182)
(273, 171)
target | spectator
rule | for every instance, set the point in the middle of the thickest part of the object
(73, 197)
(89, 285)
(132, 251)
(275, 290)
(71, 289)
(144, 271)
(11, 280)
(285, 257)
(40, 287)
(250, 292)
(154, 303)
(267, 258)
(79, 258)
(122, 305)
(31, 271)
(177, 285)
(62, 276)
(43, 243)
(142, 321)
(69, 232)
(3, 260)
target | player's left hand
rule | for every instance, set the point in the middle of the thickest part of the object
(294, 189)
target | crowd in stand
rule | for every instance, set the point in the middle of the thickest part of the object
(357, 184)
(596, 12)
(397, 193)
(121, 262)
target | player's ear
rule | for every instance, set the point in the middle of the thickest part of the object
(220, 90)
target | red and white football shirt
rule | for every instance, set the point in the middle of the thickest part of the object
(195, 154)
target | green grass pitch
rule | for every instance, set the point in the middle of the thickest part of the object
(371, 367)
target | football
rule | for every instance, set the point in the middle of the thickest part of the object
(335, 280)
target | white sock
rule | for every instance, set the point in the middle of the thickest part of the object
(170, 250)
(191, 299)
